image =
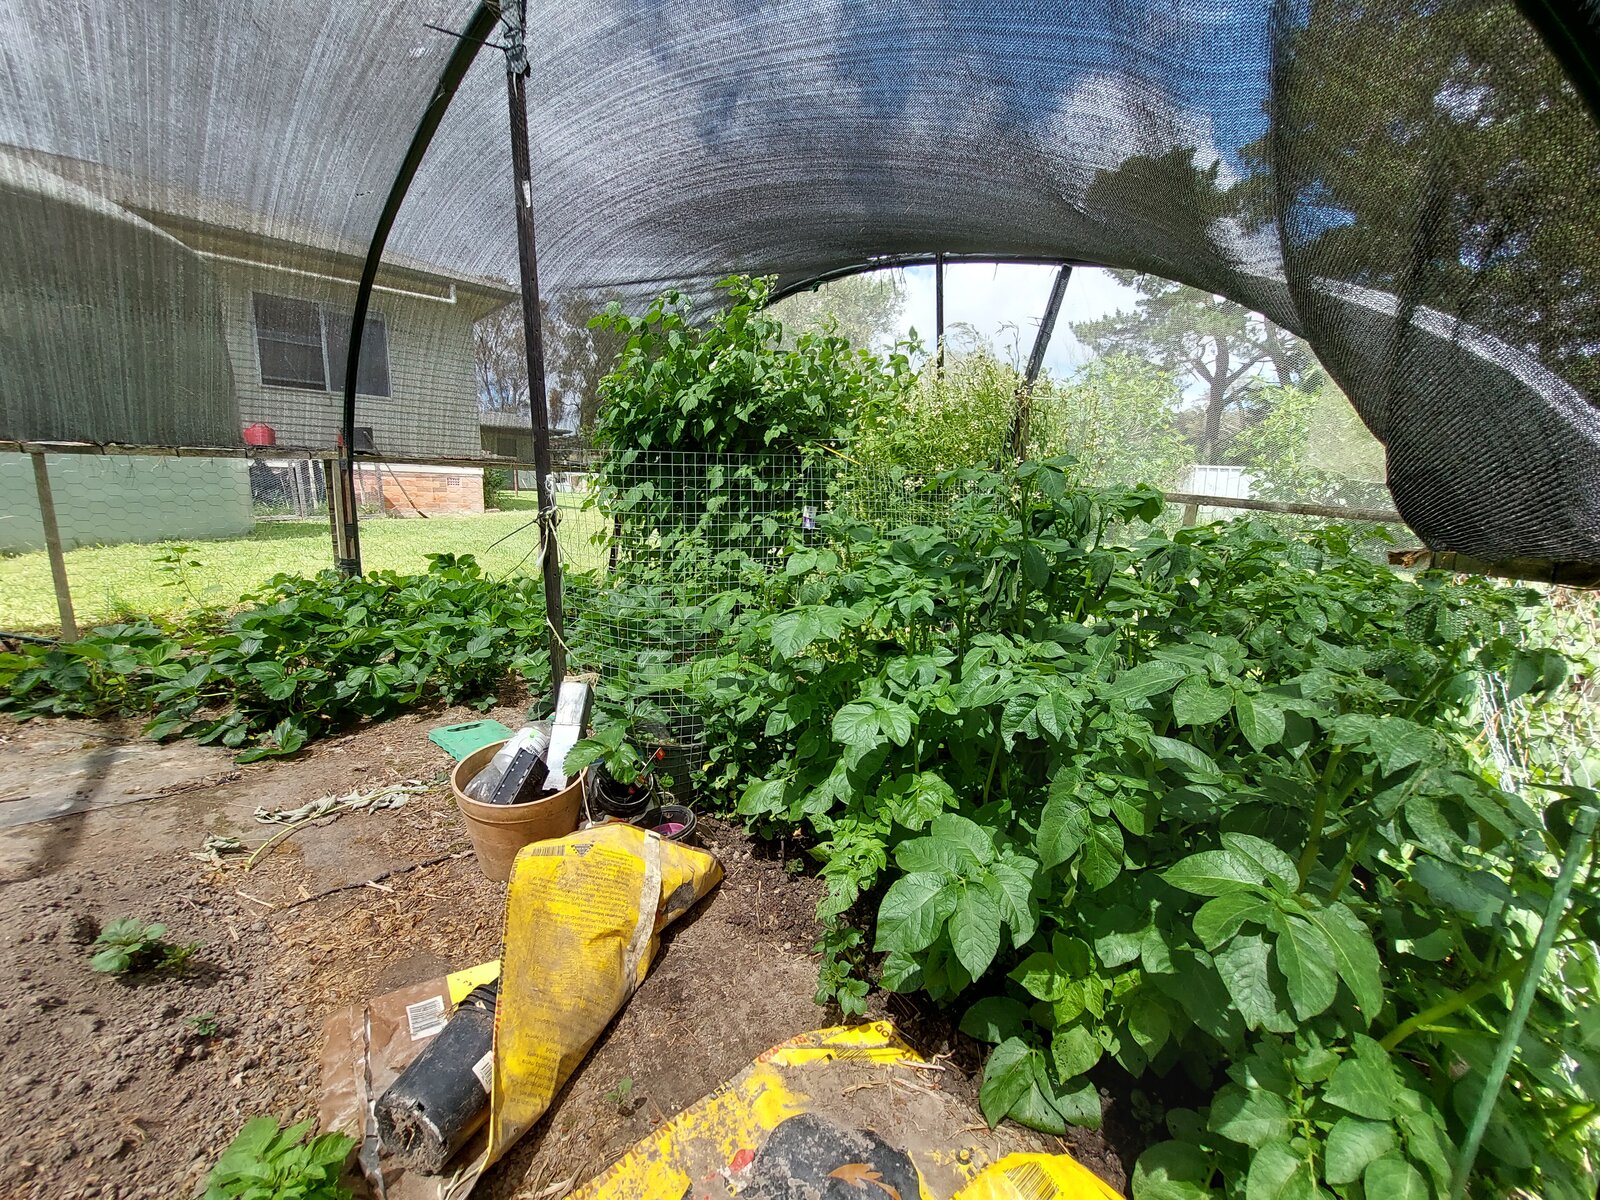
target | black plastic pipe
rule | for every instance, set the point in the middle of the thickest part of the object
(348, 553)
(439, 1101)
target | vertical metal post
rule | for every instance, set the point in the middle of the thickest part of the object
(296, 489)
(341, 511)
(52, 544)
(513, 16)
(938, 309)
(346, 537)
(334, 491)
(1017, 440)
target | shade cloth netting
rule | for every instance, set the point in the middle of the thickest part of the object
(1414, 187)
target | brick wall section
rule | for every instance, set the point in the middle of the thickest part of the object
(434, 490)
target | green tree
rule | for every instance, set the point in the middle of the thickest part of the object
(1118, 417)
(1313, 446)
(863, 309)
(500, 361)
(949, 419)
(576, 355)
(1469, 182)
(1221, 348)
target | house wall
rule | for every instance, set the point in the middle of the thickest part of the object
(433, 405)
(104, 500)
(508, 443)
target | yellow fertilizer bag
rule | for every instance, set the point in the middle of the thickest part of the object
(584, 915)
(848, 1112)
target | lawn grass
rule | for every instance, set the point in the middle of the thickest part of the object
(527, 502)
(119, 581)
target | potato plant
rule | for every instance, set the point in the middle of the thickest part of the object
(1202, 804)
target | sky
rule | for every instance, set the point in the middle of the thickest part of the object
(1004, 302)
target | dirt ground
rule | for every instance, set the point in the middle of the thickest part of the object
(121, 1089)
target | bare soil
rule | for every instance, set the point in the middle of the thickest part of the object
(121, 1088)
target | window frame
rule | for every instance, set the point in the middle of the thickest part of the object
(329, 318)
(282, 336)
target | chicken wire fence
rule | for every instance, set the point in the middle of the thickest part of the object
(152, 534)
(158, 535)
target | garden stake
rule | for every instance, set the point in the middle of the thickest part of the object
(1582, 831)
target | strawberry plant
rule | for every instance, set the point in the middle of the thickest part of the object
(308, 657)
(1201, 803)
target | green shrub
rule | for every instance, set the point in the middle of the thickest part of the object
(731, 386)
(495, 481)
(309, 657)
(128, 944)
(1198, 803)
(730, 389)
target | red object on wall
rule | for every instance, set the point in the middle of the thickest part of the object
(260, 434)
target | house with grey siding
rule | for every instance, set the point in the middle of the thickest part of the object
(264, 346)
(287, 326)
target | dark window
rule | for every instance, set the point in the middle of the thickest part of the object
(289, 342)
(372, 378)
(302, 344)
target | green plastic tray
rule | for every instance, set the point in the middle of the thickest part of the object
(458, 741)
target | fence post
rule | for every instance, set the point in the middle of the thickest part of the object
(333, 488)
(52, 544)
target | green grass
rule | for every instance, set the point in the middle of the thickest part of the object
(117, 581)
(527, 502)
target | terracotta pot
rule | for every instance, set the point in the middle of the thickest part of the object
(498, 831)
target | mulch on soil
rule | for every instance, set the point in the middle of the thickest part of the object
(119, 1089)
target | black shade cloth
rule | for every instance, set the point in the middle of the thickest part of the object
(1414, 187)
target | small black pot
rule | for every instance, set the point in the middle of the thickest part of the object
(672, 821)
(614, 798)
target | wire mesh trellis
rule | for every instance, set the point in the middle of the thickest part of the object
(677, 530)
(681, 529)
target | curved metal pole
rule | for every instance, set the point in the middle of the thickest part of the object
(348, 552)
